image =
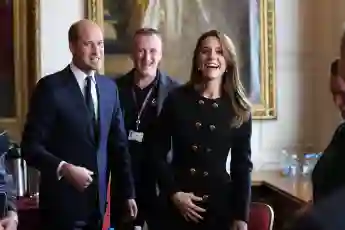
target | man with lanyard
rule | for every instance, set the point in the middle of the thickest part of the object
(142, 92)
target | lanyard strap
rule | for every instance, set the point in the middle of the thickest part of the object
(143, 105)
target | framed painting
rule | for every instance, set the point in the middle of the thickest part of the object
(18, 19)
(249, 23)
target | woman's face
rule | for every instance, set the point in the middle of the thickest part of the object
(211, 61)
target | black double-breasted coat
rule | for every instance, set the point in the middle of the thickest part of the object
(200, 134)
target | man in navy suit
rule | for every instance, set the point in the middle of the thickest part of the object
(75, 136)
(142, 93)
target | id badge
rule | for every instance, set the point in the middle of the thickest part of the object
(135, 136)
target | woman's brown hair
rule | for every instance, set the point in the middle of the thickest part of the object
(231, 78)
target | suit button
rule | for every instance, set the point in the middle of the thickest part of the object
(195, 148)
(208, 150)
(192, 171)
(215, 105)
(212, 127)
(198, 124)
(205, 174)
(201, 102)
(204, 197)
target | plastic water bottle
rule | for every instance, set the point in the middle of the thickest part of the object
(294, 165)
(286, 163)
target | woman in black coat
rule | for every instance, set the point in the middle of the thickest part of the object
(202, 122)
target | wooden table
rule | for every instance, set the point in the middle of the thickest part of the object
(285, 194)
(298, 189)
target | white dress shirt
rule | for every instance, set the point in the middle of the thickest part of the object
(80, 76)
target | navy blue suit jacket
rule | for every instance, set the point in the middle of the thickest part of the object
(58, 128)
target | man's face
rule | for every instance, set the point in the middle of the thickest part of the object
(88, 50)
(147, 54)
(337, 86)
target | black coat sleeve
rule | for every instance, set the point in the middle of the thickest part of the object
(240, 170)
(162, 137)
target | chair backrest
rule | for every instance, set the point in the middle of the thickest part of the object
(261, 216)
(106, 220)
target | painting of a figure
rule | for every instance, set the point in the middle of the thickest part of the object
(117, 23)
(7, 79)
(181, 22)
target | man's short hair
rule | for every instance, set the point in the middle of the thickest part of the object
(147, 31)
(334, 67)
(73, 33)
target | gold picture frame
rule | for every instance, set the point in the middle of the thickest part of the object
(266, 107)
(26, 62)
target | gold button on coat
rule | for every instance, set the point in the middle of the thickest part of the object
(192, 171)
(194, 147)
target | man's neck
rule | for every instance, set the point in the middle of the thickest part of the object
(87, 72)
(143, 81)
(210, 89)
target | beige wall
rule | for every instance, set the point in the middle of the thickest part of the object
(308, 32)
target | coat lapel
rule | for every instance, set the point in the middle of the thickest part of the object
(125, 87)
(76, 99)
(102, 105)
(163, 90)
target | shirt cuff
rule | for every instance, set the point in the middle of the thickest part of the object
(14, 215)
(58, 171)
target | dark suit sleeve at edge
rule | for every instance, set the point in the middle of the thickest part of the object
(240, 169)
(40, 121)
(119, 157)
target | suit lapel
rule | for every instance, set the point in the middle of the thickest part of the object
(126, 94)
(101, 91)
(76, 99)
(163, 90)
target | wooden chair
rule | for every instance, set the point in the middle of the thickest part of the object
(261, 217)
(106, 221)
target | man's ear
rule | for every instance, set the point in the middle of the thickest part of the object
(71, 47)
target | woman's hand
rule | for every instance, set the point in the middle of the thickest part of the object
(185, 203)
(239, 225)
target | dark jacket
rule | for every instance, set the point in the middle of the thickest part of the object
(142, 165)
(328, 182)
(326, 214)
(328, 174)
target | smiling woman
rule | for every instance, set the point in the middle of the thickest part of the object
(250, 23)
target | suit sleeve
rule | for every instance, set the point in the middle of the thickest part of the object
(162, 137)
(119, 157)
(240, 170)
(39, 124)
